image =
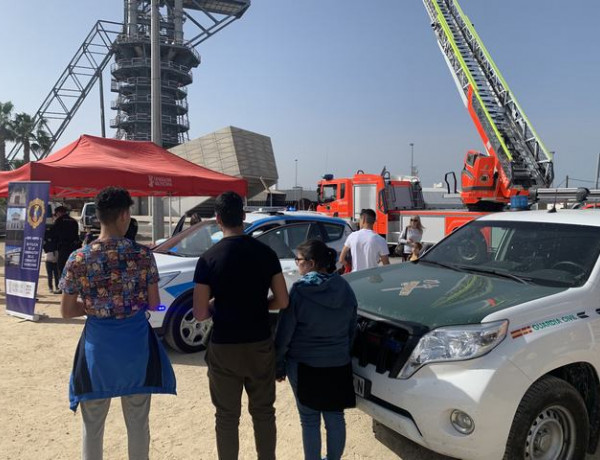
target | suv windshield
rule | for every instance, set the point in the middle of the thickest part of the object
(548, 254)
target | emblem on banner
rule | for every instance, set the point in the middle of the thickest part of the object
(36, 212)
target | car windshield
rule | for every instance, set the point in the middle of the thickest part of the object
(194, 241)
(530, 252)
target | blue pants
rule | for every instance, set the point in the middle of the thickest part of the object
(310, 419)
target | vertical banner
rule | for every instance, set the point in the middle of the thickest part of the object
(25, 226)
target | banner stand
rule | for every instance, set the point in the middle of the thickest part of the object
(35, 317)
(26, 213)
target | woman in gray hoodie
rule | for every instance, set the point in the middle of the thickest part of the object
(313, 342)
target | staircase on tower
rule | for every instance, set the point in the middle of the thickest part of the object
(129, 43)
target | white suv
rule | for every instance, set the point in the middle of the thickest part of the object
(88, 219)
(488, 347)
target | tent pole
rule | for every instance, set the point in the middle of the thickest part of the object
(170, 217)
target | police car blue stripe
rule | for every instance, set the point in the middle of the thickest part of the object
(178, 289)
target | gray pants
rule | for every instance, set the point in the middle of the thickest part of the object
(231, 369)
(136, 409)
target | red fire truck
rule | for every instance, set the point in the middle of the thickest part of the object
(515, 162)
(394, 199)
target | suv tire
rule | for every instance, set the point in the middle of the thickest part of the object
(551, 422)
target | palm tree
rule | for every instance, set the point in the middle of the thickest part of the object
(16, 163)
(27, 132)
(6, 130)
(42, 143)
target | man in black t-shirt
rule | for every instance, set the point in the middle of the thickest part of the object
(237, 274)
(65, 232)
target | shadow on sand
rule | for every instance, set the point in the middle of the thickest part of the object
(185, 359)
(45, 319)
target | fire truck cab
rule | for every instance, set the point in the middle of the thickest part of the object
(346, 197)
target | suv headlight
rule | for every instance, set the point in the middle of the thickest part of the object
(166, 278)
(454, 343)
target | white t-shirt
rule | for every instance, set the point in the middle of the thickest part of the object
(413, 234)
(366, 248)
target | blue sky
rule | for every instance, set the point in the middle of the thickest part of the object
(343, 85)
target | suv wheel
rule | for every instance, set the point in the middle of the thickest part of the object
(184, 333)
(551, 423)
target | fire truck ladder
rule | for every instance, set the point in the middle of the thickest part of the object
(74, 84)
(512, 140)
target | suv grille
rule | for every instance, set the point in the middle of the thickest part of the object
(385, 345)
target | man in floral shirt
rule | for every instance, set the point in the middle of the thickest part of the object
(113, 281)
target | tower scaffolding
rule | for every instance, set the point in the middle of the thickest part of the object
(129, 43)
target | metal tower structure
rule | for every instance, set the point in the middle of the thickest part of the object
(132, 68)
(129, 42)
(73, 85)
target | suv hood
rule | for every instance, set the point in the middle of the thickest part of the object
(435, 296)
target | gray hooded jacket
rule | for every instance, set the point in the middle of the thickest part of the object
(317, 328)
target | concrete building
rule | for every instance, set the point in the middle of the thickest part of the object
(230, 150)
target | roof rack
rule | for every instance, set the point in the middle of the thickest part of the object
(565, 195)
(266, 209)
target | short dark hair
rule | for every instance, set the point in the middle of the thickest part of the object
(62, 209)
(110, 203)
(322, 255)
(229, 206)
(369, 215)
(195, 218)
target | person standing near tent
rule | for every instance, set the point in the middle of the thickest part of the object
(65, 232)
(50, 257)
(237, 273)
(132, 230)
(113, 281)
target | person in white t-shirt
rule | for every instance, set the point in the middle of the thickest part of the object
(366, 247)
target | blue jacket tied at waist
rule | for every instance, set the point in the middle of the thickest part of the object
(119, 357)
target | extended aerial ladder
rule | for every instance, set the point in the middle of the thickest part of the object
(515, 159)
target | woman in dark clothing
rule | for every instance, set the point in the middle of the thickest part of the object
(314, 340)
(132, 230)
(50, 258)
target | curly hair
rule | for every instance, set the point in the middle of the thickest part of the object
(110, 203)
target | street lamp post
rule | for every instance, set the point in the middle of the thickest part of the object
(296, 173)
(412, 159)
(597, 170)
(158, 221)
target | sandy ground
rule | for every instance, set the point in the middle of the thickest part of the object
(35, 363)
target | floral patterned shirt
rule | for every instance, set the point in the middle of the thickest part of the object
(111, 277)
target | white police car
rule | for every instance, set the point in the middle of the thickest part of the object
(176, 260)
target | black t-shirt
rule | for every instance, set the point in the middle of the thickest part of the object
(65, 232)
(239, 270)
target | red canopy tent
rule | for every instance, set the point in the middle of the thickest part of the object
(84, 167)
